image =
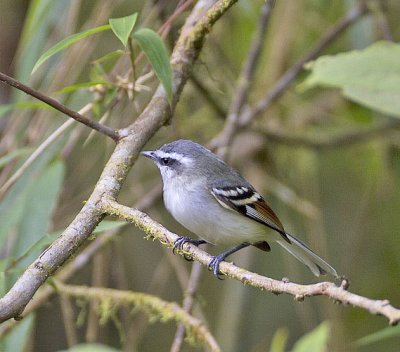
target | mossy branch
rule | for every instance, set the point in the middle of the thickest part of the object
(338, 294)
(155, 308)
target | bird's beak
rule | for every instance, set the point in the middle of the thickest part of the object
(148, 154)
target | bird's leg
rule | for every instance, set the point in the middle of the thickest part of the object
(215, 261)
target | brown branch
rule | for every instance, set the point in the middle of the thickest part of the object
(188, 301)
(225, 137)
(344, 140)
(213, 102)
(290, 75)
(158, 113)
(107, 131)
(339, 294)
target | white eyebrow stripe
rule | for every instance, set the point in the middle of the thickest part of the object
(178, 157)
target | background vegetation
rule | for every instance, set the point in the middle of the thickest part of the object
(329, 166)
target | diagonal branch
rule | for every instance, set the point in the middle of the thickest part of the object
(291, 74)
(108, 131)
(243, 85)
(337, 293)
(157, 113)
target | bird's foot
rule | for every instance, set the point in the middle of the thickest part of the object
(215, 261)
(182, 240)
(214, 265)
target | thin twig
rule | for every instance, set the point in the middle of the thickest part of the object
(39, 151)
(212, 101)
(379, 9)
(188, 301)
(107, 131)
(225, 137)
(345, 140)
(339, 294)
(290, 75)
(67, 311)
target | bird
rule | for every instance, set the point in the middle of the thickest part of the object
(218, 205)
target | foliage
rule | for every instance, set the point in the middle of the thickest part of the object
(353, 188)
(370, 76)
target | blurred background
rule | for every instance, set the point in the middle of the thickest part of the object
(330, 168)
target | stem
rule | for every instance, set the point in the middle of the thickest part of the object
(108, 131)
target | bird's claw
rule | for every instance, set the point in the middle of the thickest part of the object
(214, 266)
(182, 240)
(179, 242)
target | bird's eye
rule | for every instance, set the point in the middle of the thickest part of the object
(165, 161)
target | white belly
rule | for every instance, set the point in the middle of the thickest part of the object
(206, 218)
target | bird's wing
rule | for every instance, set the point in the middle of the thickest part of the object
(248, 202)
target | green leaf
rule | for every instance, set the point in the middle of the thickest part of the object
(314, 341)
(109, 60)
(12, 155)
(47, 239)
(386, 333)
(6, 108)
(65, 43)
(38, 208)
(75, 87)
(370, 77)
(279, 340)
(157, 53)
(18, 339)
(122, 27)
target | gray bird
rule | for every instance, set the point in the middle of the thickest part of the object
(216, 203)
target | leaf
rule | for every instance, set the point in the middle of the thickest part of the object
(314, 341)
(123, 26)
(157, 53)
(41, 15)
(109, 60)
(12, 155)
(386, 333)
(65, 43)
(38, 208)
(370, 77)
(6, 108)
(47, 239)
(18, 339)
(279, 340)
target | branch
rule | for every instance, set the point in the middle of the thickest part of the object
(157, 113)
(188, 301)
(107, 131)
(344, 140)
(290, 75)
(149, 304)
(39, 151)
(337, 293)
(225, 137)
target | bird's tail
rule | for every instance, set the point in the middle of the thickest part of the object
(302, 252)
